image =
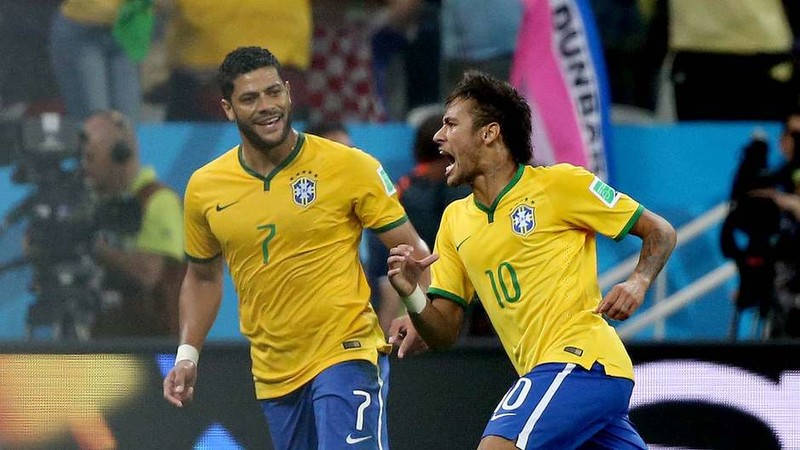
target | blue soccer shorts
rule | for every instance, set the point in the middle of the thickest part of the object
(344, 407)
(564, 406)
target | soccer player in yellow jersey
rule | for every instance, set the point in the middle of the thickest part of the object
(524, 242)
(285, 210)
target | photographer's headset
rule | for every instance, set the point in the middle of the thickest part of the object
(122, 149)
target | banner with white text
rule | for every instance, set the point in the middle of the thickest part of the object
(559, 68)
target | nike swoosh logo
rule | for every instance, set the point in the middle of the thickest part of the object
(462, 242)
(351, 440)
(497, 416)
(221, 207)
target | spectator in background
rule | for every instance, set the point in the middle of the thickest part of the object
(787, 265)
(199, 33)
(480, 35)
(634, 38)
(140, 241)
(424, 194)
(787, 197)
(406, 55)
(334, 131)
(784, 192)
(93, 68)
(787, 202)
(732, 60)
(787, 176)
(750, 236)
(24, 46)
(432, 42)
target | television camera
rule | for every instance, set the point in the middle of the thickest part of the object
(61, 220)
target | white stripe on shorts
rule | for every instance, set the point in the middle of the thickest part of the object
(525, 434)
(380, 405)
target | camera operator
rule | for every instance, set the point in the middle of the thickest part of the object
(787, 177)
(749, 237)
(139, 242)
(771, 271)
(786, 196)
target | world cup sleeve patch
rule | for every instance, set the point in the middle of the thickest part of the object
(604, 192)
(387, 182)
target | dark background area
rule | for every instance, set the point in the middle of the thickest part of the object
(437, 400)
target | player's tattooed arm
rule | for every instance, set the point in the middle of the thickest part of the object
(658, 240)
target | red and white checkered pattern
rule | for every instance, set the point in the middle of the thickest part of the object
(340, 86)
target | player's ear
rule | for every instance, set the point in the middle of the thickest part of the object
(491, 131)
(227, 107)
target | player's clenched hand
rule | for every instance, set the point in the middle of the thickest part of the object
(622, 300)
(404, 270)
(179, 383)
(404, 336)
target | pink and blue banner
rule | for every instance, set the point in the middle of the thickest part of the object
(559, 68)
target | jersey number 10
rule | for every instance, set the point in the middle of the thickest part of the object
(505, 271)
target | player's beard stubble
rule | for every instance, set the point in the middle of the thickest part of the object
(260, 143)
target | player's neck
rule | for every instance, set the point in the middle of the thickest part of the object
(488, 185)
(264, 161)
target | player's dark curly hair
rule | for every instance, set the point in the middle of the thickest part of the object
(244, 60)
(498, 101)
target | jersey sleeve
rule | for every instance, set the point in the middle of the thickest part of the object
(448, 276)
(585, 201)
(201, 245)
(161, 231)
(376, 204)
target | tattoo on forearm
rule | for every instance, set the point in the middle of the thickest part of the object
(656, 248)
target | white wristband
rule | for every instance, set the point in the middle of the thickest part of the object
(415, 302)
(187, 352)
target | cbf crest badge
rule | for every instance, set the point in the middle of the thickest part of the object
(523, 220)
(304, 188)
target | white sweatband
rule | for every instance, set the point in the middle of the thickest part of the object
(187, 352)
(415, 302)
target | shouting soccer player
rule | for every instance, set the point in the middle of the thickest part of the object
(524, 242)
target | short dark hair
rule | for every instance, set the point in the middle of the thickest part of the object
(325, 128)
(497, 101)
(244, 60)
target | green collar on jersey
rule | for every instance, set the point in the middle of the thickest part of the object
(490, 209)
(301, 138)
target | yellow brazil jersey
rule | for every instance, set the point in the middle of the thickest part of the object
(291, 244)
(530, 257)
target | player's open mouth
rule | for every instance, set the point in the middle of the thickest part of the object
(452, 160)
(269, 122)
